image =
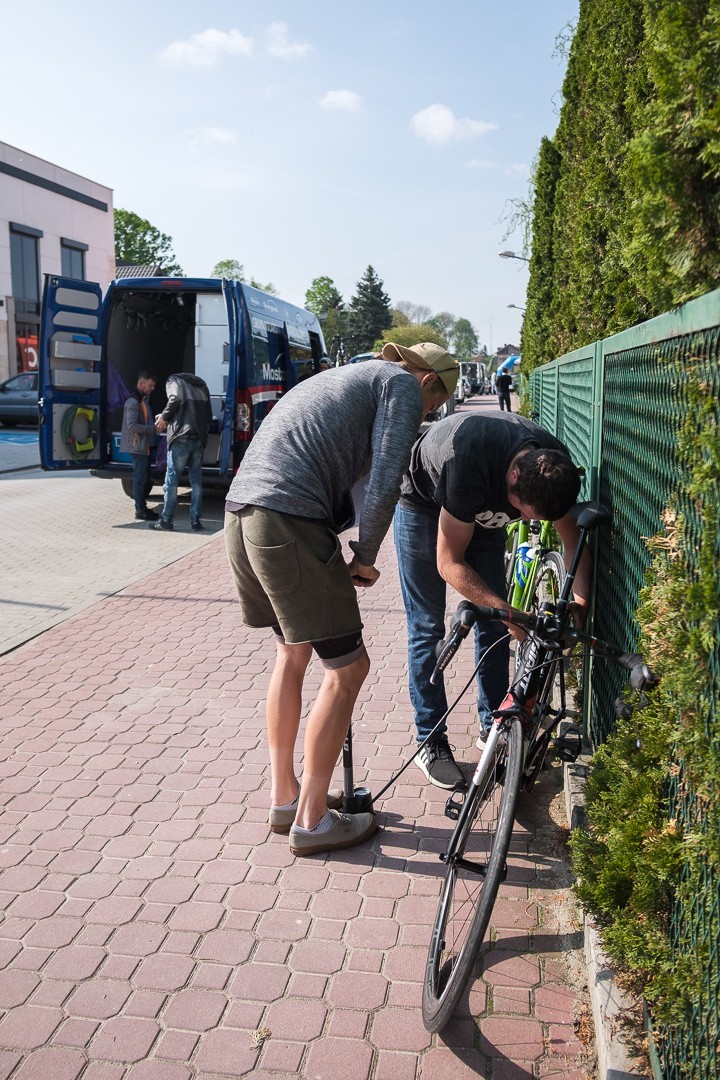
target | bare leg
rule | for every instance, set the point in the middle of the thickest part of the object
(283, 708)
(327, 727)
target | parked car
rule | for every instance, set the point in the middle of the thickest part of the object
(363, 356)
(19, 399)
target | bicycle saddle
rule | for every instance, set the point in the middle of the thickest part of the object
(590, 514)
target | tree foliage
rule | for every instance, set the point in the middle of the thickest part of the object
(370, 313)
(139, 242)
(326, 301)
(416, 313)
(235, 271)
(626, 207)
(465, 340)
(411, 334)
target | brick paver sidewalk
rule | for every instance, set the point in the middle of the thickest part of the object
(154, 929)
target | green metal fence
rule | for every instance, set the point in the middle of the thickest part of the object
(618, 405)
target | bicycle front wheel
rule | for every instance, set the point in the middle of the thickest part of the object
(548, 586)
(475, 869)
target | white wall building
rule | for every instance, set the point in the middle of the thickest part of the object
(52, 221)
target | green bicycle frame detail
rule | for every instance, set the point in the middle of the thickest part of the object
(520, 596)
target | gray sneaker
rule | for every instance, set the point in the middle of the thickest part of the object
(347, 830)
(281, 820)
(437, 762)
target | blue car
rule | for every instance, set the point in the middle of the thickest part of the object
(19, 399)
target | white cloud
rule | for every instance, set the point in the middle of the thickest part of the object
(518, 168)
(217, 135)
(438, 124)
(277, 43)
(342, 100)
(207, 48)
(479, 163)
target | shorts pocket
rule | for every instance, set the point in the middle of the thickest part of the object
(276, 568)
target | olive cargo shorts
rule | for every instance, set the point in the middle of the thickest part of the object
(290, 572)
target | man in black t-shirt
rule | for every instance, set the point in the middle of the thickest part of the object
(469, 476)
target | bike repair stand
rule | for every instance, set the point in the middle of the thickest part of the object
(356, 800)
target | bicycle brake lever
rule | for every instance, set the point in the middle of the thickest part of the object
(462, 623)
(641, 676)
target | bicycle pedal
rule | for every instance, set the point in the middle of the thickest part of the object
(568, 744)
(454, 805)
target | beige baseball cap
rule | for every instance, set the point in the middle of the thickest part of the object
(428, 357)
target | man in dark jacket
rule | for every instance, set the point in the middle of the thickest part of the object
(136, 439)
(186, 418)
(502, 386)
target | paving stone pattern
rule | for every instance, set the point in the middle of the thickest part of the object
(153, 928)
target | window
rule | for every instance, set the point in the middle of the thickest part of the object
(24, 268)
(72, 256)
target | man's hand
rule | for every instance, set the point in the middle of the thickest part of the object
(578, 614)
(363, 576)
(160, 424)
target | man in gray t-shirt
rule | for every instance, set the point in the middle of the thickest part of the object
(289, 500)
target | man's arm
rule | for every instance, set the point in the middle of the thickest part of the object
(453, 538)
(570, 534)
(132, 419)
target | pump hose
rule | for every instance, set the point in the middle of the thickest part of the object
(82, 446)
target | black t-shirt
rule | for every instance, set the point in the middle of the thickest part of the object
(503, 382)
(461, 464)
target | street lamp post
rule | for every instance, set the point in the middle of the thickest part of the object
(516, 306)
(512, 255)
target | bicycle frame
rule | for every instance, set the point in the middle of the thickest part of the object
(519, 594)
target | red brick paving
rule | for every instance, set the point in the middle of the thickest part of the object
(151, 920)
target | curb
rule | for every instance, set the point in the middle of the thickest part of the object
(609, 1003)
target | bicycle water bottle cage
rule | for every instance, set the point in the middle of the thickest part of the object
(523, 562)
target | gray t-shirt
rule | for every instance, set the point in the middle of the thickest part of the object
(461, 464)
(326, 433)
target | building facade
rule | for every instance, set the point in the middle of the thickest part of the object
(52, 221)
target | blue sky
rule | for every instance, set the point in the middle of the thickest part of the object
(303, 139)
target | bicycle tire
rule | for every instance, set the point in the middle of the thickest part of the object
(549, 582)
(484, 830)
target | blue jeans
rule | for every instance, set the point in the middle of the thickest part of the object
(423, 592)
(141, 472)
(183, 454)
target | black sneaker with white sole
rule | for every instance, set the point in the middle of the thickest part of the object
(437, 762)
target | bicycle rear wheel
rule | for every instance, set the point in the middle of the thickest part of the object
(475, 868)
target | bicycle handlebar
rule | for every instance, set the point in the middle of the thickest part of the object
(547, 624)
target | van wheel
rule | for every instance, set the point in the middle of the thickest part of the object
(127, 486)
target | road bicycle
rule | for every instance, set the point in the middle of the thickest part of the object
(523, 728)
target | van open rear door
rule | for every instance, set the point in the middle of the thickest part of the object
(71, 382)
(228, 434)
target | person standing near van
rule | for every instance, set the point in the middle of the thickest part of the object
(503, 383)
(186, 418)
(289, 500)
(136, 439)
